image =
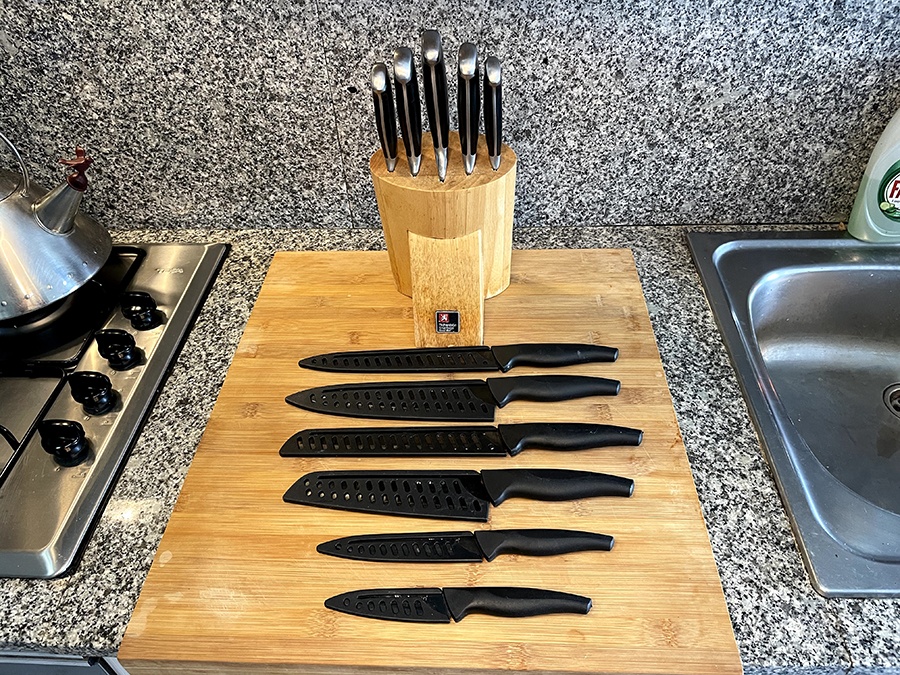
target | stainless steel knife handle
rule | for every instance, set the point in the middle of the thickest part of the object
(565, 436)
(383, 98)
(552, 485)
(468, 103)
(434, 76)
(409, 109)
(493, 109)
(512, 602)
(540, 542)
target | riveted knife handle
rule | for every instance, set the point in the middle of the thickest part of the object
(551, 355)
(565, 436)
(540, 542)
(549, 387)
(512, 602)
(552, 485)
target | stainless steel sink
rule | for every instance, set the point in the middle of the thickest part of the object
(812, 323)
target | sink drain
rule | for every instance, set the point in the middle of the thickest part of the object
(892, 399)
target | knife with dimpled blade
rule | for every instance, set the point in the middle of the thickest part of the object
(434, 605)
(409, 109)
(434, 77)
(484, 441)
(461, 359)
(384, 114)
(463, 546)
(493, 110)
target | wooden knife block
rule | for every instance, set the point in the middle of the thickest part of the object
(449, 243)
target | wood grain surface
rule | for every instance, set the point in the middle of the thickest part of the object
(237, 586)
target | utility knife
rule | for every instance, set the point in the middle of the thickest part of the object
(493, 109)
(409, 109)
(383, 98)
(468, 103)
(434, 77)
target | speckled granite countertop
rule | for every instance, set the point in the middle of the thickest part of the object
(780, 623)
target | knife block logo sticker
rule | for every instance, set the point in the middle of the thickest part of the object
(446, 321)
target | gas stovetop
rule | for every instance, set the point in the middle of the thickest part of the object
(77, 380)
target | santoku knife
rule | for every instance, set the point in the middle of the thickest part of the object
(484, 441)
(452, 495)
(493, 110)
(447, 400)
(384, 114)
(434, 605)
(468, 103)
(462, 547)
(409, 110)
(461, 359)
(434, 77)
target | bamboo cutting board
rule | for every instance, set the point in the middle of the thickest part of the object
(237, 587)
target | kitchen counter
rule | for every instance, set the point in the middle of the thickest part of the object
(780, 623)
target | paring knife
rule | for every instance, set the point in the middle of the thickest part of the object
(409, 110)
(452, 495)
(434, 605)
(484, 441)
(459, 359)
(434, 76)
(446, 400)
(468, 102)
(463, 547)
(384, 114)
(493, 109)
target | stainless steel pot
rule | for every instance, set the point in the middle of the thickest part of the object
(47, 247)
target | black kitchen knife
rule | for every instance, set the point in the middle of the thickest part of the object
(434, 605)
(452, 495)
(463, 546)
(434, 77)
(493, 109)
(383, 98)
(468, 103)
(409, 111)
(484, 441)
(447, 400)
(461, 359)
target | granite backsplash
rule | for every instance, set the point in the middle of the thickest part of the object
(258, 114)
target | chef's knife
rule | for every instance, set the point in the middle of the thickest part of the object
(493, 109)
(434, 605)
(483, 441)
(434, 76)
(384, 114)
(453, 495)
(463, 546)
(459, 359)
(409, 110)
(447, 400)
(468, 103)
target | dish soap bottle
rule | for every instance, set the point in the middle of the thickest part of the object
(876, 212)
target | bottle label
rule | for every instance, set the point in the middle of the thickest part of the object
(889, 193)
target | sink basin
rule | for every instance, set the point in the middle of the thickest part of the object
(812, 324)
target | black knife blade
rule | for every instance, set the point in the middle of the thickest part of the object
(434, 77)
(461, 359)
(383, 98)
(451, 495)
(468, 103)
(409, 109)
(493, 109)
(484, 441)
(446, 400)
(434, 605)
(463, 546)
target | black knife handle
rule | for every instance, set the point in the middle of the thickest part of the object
(383, 98)
(512, 602)
(540, 542)
(409, 111)
(565, 436)
(549, 387)
(434, 77)
(550, 355)
(552, 485)
(468, 98)
(493, 107)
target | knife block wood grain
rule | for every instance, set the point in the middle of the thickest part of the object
(447, 275)
(236, 585)
(481, 202)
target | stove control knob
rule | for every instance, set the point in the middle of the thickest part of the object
(93, 391)
(64, 440)
(140, 308)
(117, 346)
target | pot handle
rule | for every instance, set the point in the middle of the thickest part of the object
(26, 179)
